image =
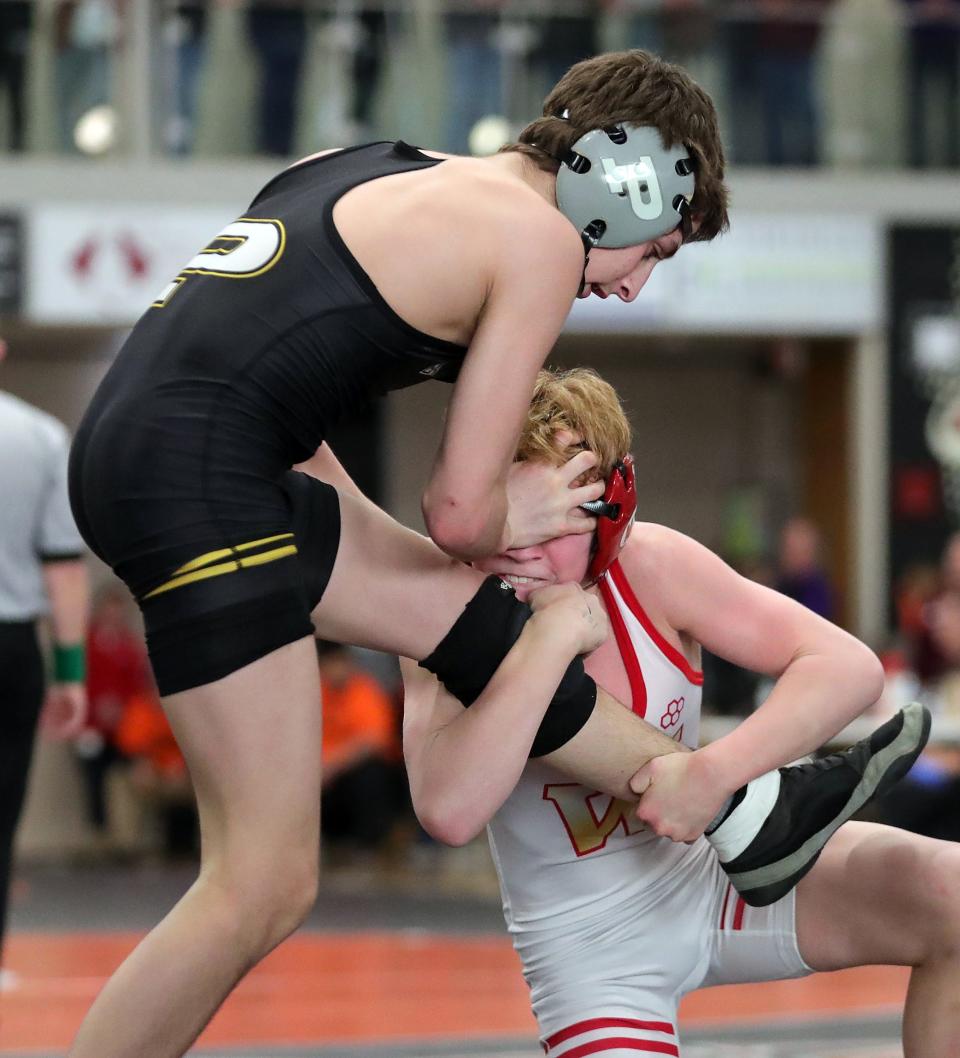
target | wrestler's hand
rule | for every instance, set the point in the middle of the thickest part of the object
(679, 795)
(64, 710)
(572, 613)
(543, 501)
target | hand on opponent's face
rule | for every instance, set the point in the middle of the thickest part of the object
(551, 493)
(543, 500)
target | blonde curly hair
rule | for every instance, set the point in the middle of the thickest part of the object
(580, 402)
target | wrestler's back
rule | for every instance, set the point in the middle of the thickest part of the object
(431, 240)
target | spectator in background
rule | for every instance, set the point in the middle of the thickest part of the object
(566, 37)
(185, 31)
(42, 572)
(15, 22)
(781, 70)
(916, 587)
(116, 671)
(800, 571)
(87, 31)
(360, 776)
(937, 642)
(928, 800)
(476, 69)
(738, 42)
(689, 29)
(368, 66)
(682, 31)
(278, 33)
(934, 49)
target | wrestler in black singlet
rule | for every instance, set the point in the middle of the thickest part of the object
(179, 471)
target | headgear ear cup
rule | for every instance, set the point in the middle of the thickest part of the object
(615, 512)
(622, 186)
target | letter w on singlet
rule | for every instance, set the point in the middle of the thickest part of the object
(590, 829)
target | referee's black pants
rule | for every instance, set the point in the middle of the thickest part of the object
(21, 695)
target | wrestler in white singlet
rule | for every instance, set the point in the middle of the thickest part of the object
(613, 924)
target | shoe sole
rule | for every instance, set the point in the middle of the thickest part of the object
(766, 885)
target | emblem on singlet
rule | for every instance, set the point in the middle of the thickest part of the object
(591, 818)
(589, 830)
(671, 715)
(245, 249)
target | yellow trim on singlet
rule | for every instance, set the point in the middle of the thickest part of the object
(199, 569)
(212, 556)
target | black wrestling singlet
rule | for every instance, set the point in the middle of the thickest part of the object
(268, 335)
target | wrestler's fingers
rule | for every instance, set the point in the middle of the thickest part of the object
(579, 464)
(642, 780)
(579, 521)
(587, 493)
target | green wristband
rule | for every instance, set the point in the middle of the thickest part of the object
(69, 663)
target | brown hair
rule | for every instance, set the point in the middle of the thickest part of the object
(640, 89)
(580, 401)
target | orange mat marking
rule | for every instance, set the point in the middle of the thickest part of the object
(364, 988)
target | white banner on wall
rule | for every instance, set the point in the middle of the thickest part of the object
(798, 274)
(96, 264)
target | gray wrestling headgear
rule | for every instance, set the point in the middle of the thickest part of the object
(621, 186)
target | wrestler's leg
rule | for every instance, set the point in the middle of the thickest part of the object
(392, 589)
(879, 895)
(252, 744)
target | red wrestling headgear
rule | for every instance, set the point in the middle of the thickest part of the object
(615, 513)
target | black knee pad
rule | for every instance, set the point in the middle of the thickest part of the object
(471, 652)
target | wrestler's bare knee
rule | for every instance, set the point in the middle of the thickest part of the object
(264, 898)
(937, 880)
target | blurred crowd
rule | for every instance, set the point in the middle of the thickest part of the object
(316, 69)
(924, 661)
(138, 795)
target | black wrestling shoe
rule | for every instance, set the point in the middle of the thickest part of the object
(812, 802)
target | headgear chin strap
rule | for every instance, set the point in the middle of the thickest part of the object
(615, 512)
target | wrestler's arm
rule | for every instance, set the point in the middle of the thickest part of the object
(534, 260)
(463, 763)
(824, 676)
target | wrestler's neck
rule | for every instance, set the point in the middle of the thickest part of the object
(524, 169)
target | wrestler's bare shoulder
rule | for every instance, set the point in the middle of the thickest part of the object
(652, 553)
(475, 197)
(437, 241)
(656, 561)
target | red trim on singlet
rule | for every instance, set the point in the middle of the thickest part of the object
(739, 907)
(638, 688)
(607, 1023)
(622, 1043)
(669, 651)
(723, 907)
